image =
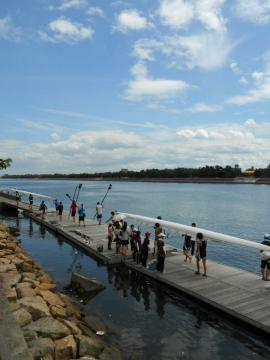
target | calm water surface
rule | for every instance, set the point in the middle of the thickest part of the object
(145, 319)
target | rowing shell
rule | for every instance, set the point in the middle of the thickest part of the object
(212, 235)
(23, 192)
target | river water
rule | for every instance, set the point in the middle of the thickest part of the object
(145, 319)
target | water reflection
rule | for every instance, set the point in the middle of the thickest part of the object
(42, 231)
(31, 230)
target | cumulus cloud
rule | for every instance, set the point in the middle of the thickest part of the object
(64, 30)
(8, 31)
(261, 87)
(178, 14)
(250, 124)
(204, 108)
(130, 20)
(207, 50)
(95, 11)
(144, 86)
(255, 11)
(70, 4)
(156, 147)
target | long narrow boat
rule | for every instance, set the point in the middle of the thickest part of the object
(180, 228)
(23, 192)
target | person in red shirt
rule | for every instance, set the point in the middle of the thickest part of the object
(73, 209)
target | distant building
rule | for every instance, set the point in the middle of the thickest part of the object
(249, 172)
(124, 171)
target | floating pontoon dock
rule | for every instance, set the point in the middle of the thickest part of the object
(240, 294)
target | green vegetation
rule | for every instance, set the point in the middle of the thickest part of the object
(227, 172)
(4, 163)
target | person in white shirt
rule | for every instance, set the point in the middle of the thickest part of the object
(99, 209)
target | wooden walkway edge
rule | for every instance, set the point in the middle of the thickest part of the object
(239, 294)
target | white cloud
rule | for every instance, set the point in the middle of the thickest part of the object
(261, 88)
(178, 14)
(161, 147)
(63, 29)
(95, 11)
(8, 31)
(204, 108)
(144, 86)
(55, 136)
(243, 80)
(255, 11)
(250, 124)
(70, 4)
(129, 20)
(208, 50)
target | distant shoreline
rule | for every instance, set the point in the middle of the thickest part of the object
(256, 181)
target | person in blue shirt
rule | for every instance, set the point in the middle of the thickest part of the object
(81, 213)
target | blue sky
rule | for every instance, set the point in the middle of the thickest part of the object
(102, 85)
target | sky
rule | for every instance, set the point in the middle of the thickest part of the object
(98, 85)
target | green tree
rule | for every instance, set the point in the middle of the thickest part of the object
(4, 163)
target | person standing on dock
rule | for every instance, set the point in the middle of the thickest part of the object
(56, 204)
(73, 209)
(110, 236)
(81, 213)
(60, 210)
(99, 208)
(201, 253)
(161, 254)
(31, 200)
(43, 208)
(17, 198)
(158, 230)
(265, 259)
(145, 249)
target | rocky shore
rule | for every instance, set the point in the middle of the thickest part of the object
(52, 325)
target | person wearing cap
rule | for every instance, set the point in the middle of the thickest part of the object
(145, 248)
(265, 259)
(161, 254)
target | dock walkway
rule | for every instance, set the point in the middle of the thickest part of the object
(240, 294)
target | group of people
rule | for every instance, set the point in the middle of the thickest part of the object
(124, 235)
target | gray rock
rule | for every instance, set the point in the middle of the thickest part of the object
(48, 326)
(89, 346)
(7, 267)
(22, 316)
(24, 290)
(10, 279)
(109, 353)
(95, 324)
(65, 348)
(41, 347)
(36, 306)
(29, 335)
(87, 285)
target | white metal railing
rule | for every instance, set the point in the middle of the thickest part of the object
(211, 235)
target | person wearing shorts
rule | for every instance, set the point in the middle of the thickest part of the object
(265, 259)
(201, 253)
(81, 213)
(99, 208)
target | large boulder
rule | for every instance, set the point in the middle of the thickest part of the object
(10, 279)
(25, 289)
(89, 346)
(7, 267)
(85, 286)
(58, 311)
(66, 348)
(41, 347)
(51, 298)
(22, 316)
(109, 353)
(36, 306)
(74, 329)
(49, 326)
(94, 323)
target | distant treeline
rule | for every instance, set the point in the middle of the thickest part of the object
(203, 172)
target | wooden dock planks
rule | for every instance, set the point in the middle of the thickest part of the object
(241, 294)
